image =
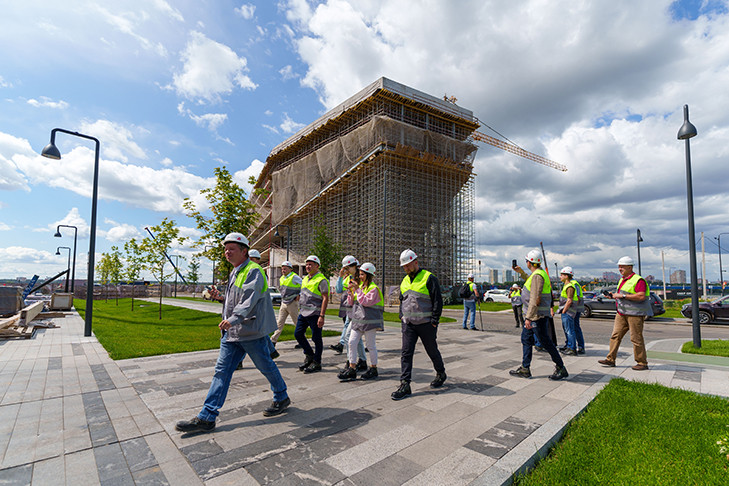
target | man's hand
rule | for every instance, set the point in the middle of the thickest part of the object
(224, 325)
(214, 294)
(528, 324)
(320, 322)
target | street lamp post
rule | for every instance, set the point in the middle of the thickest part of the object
(68, 267)
(52, 152)
(721, 270)
(638, 239)
(212, 260)
(686, 132)
(177, 264)
(288, 237)
(75, 234)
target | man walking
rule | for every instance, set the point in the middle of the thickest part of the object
(290, 287)
(538, 299)
(516, 304)
(632, 300)
(421, 304)
(248, 319)
(469, 303)
(312, 309)
(570, 306)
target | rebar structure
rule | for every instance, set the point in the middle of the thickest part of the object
(390, 168)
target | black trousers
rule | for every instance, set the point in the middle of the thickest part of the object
(427, 334)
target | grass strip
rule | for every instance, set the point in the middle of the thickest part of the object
(638, 433)
(711, 347)
(126, 334)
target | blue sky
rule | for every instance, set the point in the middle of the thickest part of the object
(175, 89)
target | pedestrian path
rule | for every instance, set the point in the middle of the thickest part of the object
(73, 416)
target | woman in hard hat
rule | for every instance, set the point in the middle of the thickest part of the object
(368, 308)
(348, 272)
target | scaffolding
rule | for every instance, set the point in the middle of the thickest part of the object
(389, 169)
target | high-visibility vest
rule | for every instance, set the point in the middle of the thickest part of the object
(629, 307)
(369, 317)
(289, 288)
(311, 298)
(416, 305)
(577, 299)
(515, 297)
(545, 303)
(243, 275)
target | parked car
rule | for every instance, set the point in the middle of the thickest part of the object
(275, 295)
(598, 303)
(496, 295)
(709, 311)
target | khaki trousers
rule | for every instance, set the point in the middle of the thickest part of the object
(622, 325)
(284, 311)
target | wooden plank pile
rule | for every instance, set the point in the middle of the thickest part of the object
(21, 325)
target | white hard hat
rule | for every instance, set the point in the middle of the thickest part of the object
(515, 286)
(313, 258)
(567, 270)
(287, 264)
(407, 256)
(470, 275)
(534, 256)
(254, 254)
(349, 260)
(368, 267)
(626, 260)
(236, 238)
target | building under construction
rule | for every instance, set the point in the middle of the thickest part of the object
(390, 168)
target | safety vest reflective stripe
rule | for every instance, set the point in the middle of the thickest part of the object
(630, 308)
(516, 297)
(416, 306)
(289, 288)
(372, 314)
(543, 308)
(577, 299)
(240, 279)
(311, 297)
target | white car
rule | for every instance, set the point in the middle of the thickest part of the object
(497, 295)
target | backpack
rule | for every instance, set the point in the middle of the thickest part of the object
(465, 291)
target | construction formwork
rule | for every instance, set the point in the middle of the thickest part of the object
(390, 169)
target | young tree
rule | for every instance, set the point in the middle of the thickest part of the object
(116, 268)
(155, 252)
(135, 263)
(192, 273)
(230, 210)
(329, 253)
(103, 270)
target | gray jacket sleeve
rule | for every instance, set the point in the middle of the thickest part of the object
(247, 297)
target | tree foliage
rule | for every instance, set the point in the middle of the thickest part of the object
(155, 252)
(193, 275)
(134, 257)
(329, 253)
(109, 267)
(230, 211)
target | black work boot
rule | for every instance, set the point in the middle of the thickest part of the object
(277, 407)
(522, 372)
(337, 347)
(370, 374)
(195, 425)
(402, 392)
(559, 373)
(313, 367)
(348, 375)
(440, 378)
(309, 359)
(361, 365)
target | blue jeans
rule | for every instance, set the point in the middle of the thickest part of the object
(568, 325)
(469, 306)
(344, 340)
(300, 334)
(578, 333)
(527, 341)
(230, 355)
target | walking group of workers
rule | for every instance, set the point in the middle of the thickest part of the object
(248, 321)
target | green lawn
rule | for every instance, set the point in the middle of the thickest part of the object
(126, 334)
(637, 433)
(718, 347)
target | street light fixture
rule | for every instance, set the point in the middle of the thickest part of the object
(686, 132)
(68, 267)
(638, 240)
(52, 152)
(288, 237)
(75, 234)
(721, 270)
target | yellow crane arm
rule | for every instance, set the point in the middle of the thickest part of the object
(515, 149)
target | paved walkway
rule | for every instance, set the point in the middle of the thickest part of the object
(70, 415)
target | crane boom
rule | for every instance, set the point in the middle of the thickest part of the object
(515, 149)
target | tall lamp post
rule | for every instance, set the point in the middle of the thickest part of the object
(721, 270)
(288, 237)
(75, 234)
(638, 239)
(52, 152)
(212, 260)
(686, 132)
(68, 267)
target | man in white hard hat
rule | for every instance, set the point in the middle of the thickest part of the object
(570, 306)
(255, 256)
(516, 304)
(421, 305)
(469, 303)
(290, 287)
(248, 319)
(347, 273)
(312, 309)
(538, 300)
(632, 300)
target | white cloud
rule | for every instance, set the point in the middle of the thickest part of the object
(115, 140)
(5, 227)
(129, 23)
(165, 7)
(209, 70)
(48, 103)
(4, 83)
(287, 72)
(119, 232)
(241, 177)
(246, 11)
(73, 218)
(272, 129)
(166, 162)
(11, 177)
(290, 126)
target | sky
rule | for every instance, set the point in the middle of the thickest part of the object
(174, 89)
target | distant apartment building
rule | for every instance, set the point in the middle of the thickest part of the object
(678, 277)
(493, 275)
(610, 276)
(508, 275)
